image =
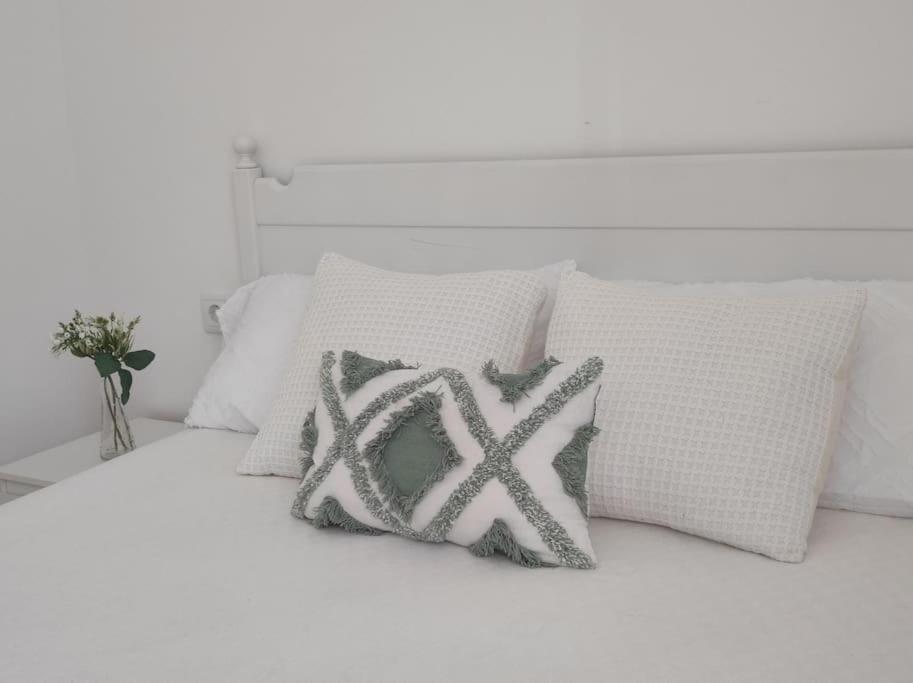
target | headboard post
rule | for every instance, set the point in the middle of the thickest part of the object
(246, 171)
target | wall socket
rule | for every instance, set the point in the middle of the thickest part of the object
(209, 306)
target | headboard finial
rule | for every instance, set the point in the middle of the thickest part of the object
(245, 147)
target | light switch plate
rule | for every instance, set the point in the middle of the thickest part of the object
(209, 305)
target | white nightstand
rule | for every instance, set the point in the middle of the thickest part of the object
(48, 467)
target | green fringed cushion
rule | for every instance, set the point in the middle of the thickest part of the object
(493, 462)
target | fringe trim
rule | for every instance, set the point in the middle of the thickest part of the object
(570, 464)
(309, 436)
(429, 403)
(499, 539)
(357, 370)
(517, 386)
(331, 514)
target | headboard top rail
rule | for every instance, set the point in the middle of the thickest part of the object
(580, 205)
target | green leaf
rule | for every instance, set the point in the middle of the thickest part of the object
(106, 364)
(138, 359)
(126, 381)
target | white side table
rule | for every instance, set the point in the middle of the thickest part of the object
(48, 467)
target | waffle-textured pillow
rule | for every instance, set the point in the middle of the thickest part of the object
(717, 414)
(495, 462)
(260, 323)
(872, 465)
(459, 320)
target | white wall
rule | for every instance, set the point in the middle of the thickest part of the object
(44, 261)
(157, 89)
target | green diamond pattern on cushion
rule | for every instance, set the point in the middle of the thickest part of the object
(515, 386)
(357, 370)
(570, 464)
(411, 453)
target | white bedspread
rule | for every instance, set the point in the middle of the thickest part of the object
(164, 565)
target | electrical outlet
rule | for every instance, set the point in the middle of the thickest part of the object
(209, 306)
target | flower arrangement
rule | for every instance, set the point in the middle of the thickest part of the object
(108, 341)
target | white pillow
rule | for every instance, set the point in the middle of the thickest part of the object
(438, 454)
(550, 276)
(872, 465)
(872, 469)
(716, 413)
(259, 323)
(456, 320)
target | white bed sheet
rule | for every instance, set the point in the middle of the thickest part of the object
(166, 565)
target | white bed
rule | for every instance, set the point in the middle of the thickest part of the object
(166, 565)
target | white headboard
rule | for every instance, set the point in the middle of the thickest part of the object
(769, 216)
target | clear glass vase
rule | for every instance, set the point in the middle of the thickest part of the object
(116, 435)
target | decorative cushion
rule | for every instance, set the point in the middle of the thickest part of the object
(436, 454)
(872, 465)
(460, 320)
(716, 413)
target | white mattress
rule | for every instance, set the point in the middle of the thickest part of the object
(165, 565)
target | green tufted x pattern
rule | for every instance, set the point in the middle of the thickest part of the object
(378, 490)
